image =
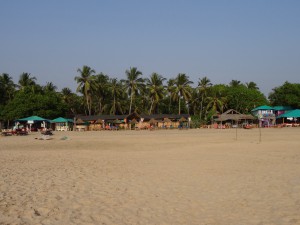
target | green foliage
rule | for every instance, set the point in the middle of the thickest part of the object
(103, 95)
(195, 121)
(28, 103)
(244, 99)
(286, 95)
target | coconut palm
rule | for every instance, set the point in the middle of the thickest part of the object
(203, 86)
(50, 87)
(100, 91)
(216, 102)
(7, 87)
(234, 83)
(85, 84)
(252, 85)
(170, 89)
(26, 80)
(182, 89)
(116, 91)
(194, 100)
(72, 100)
(155, 90)
(134, 84)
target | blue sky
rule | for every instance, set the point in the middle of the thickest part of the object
(246, 40)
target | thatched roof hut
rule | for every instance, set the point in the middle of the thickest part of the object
(153, 121)
(79, 121)
(134, 121)
(166, 120)
(233, 115)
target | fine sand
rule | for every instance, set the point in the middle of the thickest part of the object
(202, 176)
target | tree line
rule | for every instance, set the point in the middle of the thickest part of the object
(98, 93)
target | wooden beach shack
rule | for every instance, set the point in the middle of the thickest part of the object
(232, 118)
(291, 118)
(33, 123)
(141, 122)
(62, 124)
(265, 114)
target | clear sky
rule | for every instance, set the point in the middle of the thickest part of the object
(246, 40)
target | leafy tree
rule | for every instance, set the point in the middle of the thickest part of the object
(243, 99)
(85, 84)
(27, 103)
(287, 94)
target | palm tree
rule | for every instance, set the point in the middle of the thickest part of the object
(216, 102)
(116, 90)
(7, 87)
(203, 86)
(252, 85)
(182, 89)
(194, 101)
(170, 89)
(100, 90)
(85, 84)
(134, 83)
(155, 90)
(26, 80)
(50, 87)
(67, 97)
(235, 83)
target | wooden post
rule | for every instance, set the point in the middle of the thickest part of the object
(259, 128)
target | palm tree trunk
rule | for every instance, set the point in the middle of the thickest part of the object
(151, 106)
(179, 107)
(88, 105)
(188, 108)
(100, 107)
(201, 106)
(114, 107)
(131, 97)
(170, 105)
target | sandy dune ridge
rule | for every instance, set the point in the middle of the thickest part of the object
(202, 176)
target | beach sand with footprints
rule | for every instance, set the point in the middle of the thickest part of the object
(202, 176)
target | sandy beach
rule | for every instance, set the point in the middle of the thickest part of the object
(202, 176)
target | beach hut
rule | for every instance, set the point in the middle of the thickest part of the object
(232, 116)
(166, 123)
(265, 115)
(62, 124)
(81, 125)
(293, 115)
(34, 122)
